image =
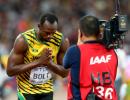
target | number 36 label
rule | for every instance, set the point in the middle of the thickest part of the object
(40, 75)
(106, 93)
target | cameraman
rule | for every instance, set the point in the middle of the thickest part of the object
(92, 66)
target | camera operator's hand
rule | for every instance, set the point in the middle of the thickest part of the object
(45, 57)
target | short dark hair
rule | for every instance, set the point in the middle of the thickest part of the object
(49, 17)
(89, 25)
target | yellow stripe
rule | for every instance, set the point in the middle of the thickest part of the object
(34, 89)
(24, 82)
(24, 90)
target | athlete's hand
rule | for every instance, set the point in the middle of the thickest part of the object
(45, 57)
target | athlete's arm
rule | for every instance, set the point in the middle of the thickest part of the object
(16, 64)
(58, 68)
(64, 46)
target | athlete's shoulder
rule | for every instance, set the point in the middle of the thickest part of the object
(58, 33)
(30, 31)
(20, 44)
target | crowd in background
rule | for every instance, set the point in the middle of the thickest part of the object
(17, 16)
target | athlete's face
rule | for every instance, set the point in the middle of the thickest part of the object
(47, 30)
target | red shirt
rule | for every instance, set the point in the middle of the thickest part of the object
(98, 68)
(92, 67)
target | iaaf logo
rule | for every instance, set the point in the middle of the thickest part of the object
(98, 60)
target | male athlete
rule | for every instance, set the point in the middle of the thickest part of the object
(92, 66)
(28, 59)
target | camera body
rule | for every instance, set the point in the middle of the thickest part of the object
(114, 31)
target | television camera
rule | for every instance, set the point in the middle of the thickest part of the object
(114, 30)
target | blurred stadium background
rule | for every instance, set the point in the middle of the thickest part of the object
(17, 16)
